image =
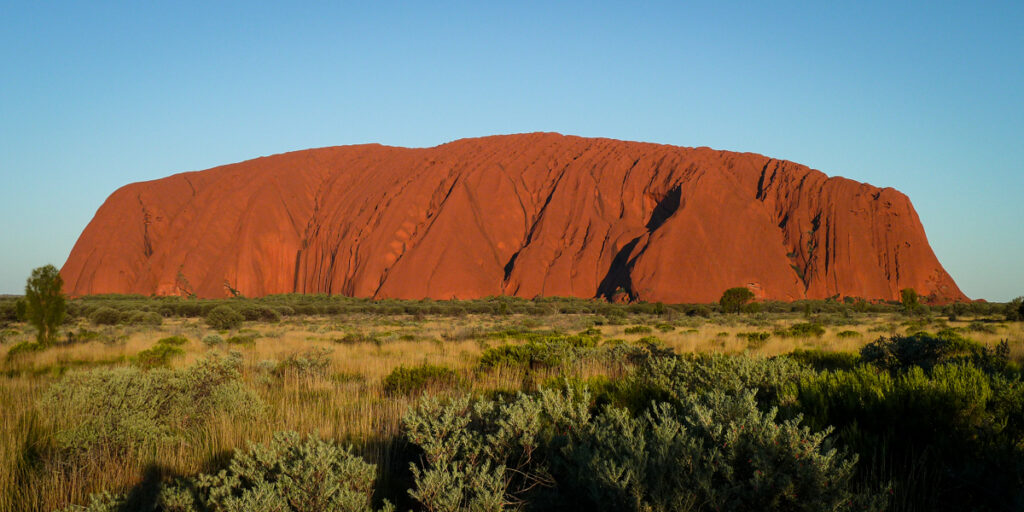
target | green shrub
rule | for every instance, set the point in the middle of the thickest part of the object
(638, 329)
(25, 347)
(287, 474)
(105, 316)
(147, 318)
(242, 339)
(224, 318)
(314, 362)
(545, 349)
(734, 299)
(673, 378)
(123, 408)
(802, 330)
(848, 334)
(924, 350)
(415, 379)
(353, 338)
(720, 452)
(822, 360)
(212, 340)
(176, 341)
(100, 502)
(551, 452)
(977, 326)
(754, 339)
(949, 438)
(665, 327)
(158, 356)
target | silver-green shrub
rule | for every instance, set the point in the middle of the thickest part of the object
(287, 474)
(719, 453)
(487, 455)
(124, 408)
(711, 451)
(99, 502)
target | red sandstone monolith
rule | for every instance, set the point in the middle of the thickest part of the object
(525, 215)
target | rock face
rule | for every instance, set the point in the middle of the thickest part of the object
(525, 215)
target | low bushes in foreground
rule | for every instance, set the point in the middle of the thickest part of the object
(119, 409)
(287, 474)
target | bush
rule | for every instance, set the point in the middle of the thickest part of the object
(158, 356)
(141, 318)
(224, 318)
(802, 330)
(416, 379)
(848, 334)
(24, 347)
(242, 339)
(105, 316)
(638, 329)
(353, 338)
(924, 350)
(822, 360)
(550, 452)
(545, 349)
(176, 341)
(719, 452)
(754, 339)
(673, 378)
(314, 362)
(734, 299)
(287, 474)
(951, 437)
(211, 340)
(123, 408)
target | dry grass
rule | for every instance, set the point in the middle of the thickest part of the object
(348, 403)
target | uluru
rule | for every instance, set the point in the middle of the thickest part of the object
(527, 215)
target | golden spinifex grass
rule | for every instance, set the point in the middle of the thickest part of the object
(346, 400)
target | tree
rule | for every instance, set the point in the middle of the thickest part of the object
(1015, 309)
(45, 304)
(910, 301)
(734, 299)
(224, 317)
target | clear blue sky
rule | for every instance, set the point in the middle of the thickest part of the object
(926, 98)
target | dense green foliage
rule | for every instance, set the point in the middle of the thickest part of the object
(45, 304)
(911, 302)
(554, 451)
(224, 317)
(802, 330)
(734, 299)
(923, 350)
(128, 408)
(415, 379)
(543, 350)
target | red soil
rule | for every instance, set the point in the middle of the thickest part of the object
(526, 215)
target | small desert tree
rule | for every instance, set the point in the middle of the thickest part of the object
(44, 303)
(1015, 309)
(734, 299)
(911, 302)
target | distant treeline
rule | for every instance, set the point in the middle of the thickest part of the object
(114, 308)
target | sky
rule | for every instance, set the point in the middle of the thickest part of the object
(924, 97)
